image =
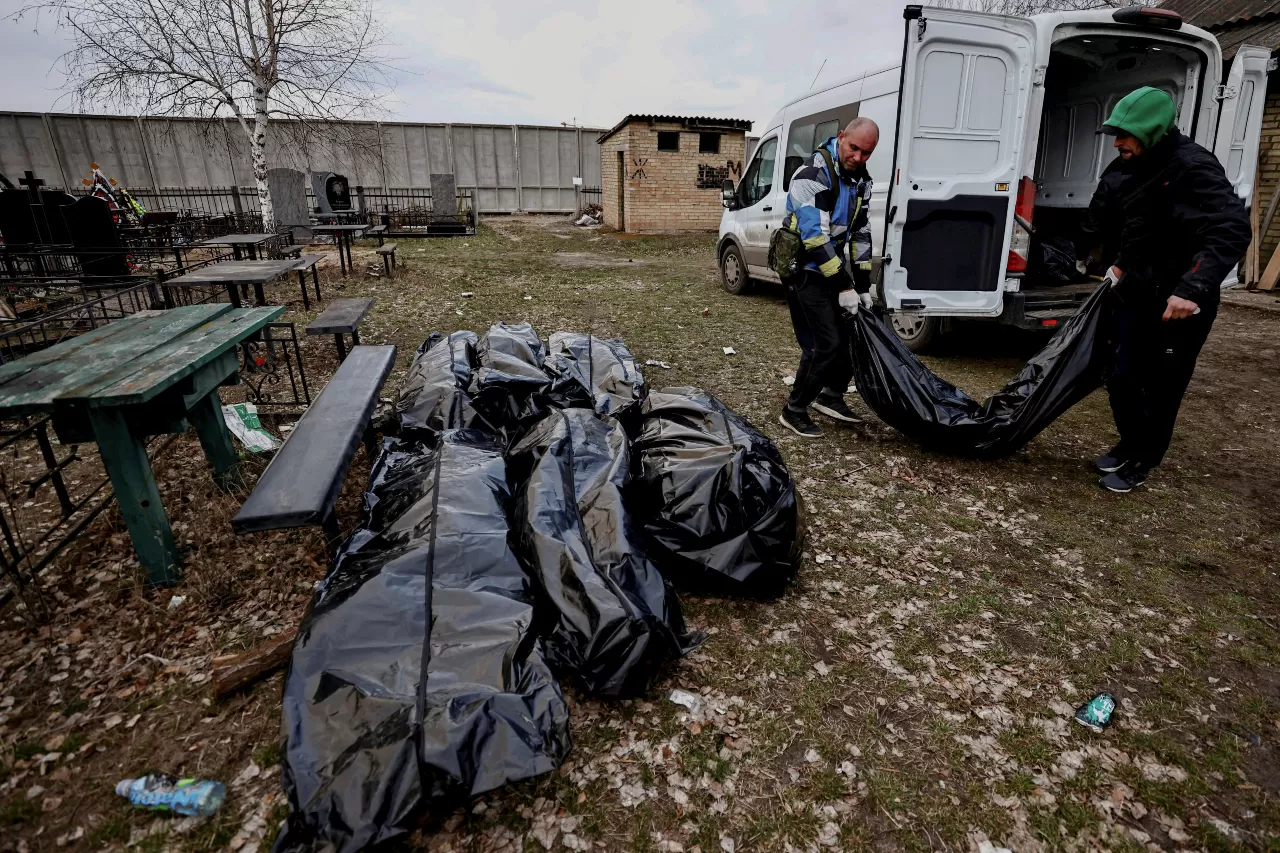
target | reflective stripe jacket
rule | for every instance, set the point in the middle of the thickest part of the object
(829, 220)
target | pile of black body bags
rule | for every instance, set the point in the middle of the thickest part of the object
(526, 525)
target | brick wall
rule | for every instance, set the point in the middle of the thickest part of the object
(1269, 171)
(609, 177)
(661, 187)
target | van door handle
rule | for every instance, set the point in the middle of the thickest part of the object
(767, 209)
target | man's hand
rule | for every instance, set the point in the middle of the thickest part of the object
(1179, 308)
(849, 300)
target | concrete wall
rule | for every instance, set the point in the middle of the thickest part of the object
(661, 188)
(511, 167)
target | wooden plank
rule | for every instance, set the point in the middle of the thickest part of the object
(342, 316)
(305, 261)
(125, 458)
(302, 482)
(1272, 273)
(165, 366)
(35, 391)
(69, 347)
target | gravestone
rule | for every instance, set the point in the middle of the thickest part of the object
(55, 203)
(444, 195)
(17, 222)
(289, 198)
(332, 192)
(92, 226)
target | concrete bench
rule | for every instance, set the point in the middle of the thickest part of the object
(342, 317)
(303, 481)
(388, 253)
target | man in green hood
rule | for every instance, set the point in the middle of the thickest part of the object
(1170, 227)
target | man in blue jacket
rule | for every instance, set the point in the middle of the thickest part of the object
(829, 212)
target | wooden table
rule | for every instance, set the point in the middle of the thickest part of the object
(236, 274)
(342, 236)
(148, 374)
(239, 242)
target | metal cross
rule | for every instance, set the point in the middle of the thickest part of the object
(33, 184)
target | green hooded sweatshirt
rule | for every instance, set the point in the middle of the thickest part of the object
(1147, 114)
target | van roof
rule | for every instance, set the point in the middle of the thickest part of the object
(1053, 19)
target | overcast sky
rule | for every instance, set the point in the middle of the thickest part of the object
(539, 62)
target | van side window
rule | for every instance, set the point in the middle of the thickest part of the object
(758, 179)
(808, 132)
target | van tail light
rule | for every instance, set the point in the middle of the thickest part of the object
(1023, 208)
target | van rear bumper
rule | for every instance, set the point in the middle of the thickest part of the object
(1045, 307)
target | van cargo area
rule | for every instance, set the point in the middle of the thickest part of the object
(1086, 76)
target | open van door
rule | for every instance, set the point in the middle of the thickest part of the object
(1244, 96)
(962, 112)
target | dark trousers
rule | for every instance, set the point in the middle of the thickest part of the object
(1154, 360)
(818, 321)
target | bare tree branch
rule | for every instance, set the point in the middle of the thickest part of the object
(298, 65)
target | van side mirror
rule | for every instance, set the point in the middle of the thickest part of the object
(729, 195)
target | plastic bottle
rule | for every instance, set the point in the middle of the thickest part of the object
(169, 793)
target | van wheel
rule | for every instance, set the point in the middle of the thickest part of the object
(917, 332)
(733, 271)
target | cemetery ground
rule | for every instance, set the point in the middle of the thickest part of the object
(913, 692)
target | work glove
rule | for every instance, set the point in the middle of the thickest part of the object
(851, 299)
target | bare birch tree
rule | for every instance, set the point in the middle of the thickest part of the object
(306, 61)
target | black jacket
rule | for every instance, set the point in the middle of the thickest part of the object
(1170, 220)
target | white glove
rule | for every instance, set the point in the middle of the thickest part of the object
(851, 299)
(1082, 267)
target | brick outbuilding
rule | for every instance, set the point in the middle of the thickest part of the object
(663, 174)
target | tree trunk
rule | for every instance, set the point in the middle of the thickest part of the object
(258, 154)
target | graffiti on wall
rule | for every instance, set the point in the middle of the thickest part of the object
(713, 177)
(639, 163)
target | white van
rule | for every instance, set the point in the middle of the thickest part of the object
(987, 124)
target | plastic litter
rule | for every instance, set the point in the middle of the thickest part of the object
(417, 675)
(594, 373)
(653, 362)
(177, 601)
(242, 420)
(927, 409)
(692, 701)
(614, 621)
(730, 351)
(191, 797)
(1096, 713)
(509, 380)
(467, 294)
(434, 395)
(715, 496)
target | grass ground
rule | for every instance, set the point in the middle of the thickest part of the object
(914, 692)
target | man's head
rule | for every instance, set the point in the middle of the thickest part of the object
(856, 142)
(1140, 120)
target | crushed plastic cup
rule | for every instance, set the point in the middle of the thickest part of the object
(1096, 713)
(692, 701)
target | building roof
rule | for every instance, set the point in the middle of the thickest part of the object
(687, 122)
(1215, 13)
(1233, 22)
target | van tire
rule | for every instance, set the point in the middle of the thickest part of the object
(918, 333)
(733, 271)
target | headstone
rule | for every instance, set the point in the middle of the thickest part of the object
(17, 223)
(55, 203)
(444, 195)
(332, 192)
(92, 226)
(289, 198)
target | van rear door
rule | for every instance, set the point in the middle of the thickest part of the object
(1240, 119)
(965, 93)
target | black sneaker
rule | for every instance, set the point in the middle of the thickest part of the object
(1129, 477)
(800, 423)
(835, 407)
(1109, 462)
